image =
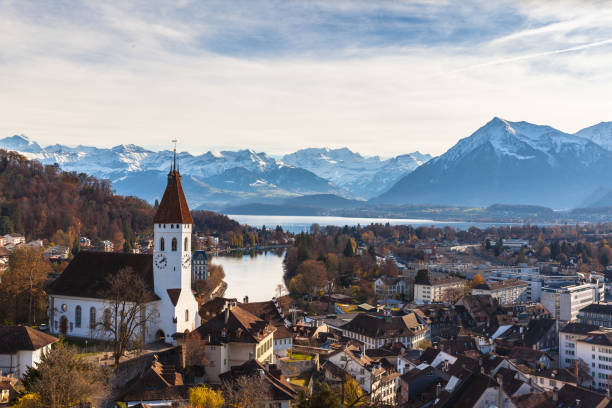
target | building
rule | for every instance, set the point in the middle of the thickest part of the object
(568, 336)
(76, 299)
(596, 351)
(376, 331)
(507, 291)
(232, 338)
(280, 392)
(387, 286)
(371, 375)
(430, 290)
(199, 265)
(597, 314)
(21, 347)
(532, 276)
(565, 301)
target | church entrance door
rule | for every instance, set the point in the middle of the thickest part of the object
(63, 325)
(160, 336)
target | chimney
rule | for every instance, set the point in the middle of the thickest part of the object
(227, 310)
(555, 395)
(438, 389)
(183, 356)
(576, 372)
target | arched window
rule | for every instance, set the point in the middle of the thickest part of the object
(186, 244)
(174, 244)
(92, 318)
(162, 245)
(77, 316)
(107, 318)
(186, 315)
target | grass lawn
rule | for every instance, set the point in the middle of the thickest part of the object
(299, 356)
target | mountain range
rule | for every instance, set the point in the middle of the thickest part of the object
(215, 179)
(501, 162)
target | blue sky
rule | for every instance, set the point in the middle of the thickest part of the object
(385, 77)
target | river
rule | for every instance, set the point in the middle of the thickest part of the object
(255, 276)
(302, 223)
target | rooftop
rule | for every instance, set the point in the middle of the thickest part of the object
(17, 338)
(173, 208)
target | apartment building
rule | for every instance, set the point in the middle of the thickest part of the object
(507, 291)
(532, 276)
(597, 314)
(568, 336)
(446, 289)
(565, 301)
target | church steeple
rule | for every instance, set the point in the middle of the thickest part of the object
(173, 208)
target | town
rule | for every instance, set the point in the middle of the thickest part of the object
(378, 316)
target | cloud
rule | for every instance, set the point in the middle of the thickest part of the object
(379, 77)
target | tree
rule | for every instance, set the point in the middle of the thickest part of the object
(22, 293)
(127, 296)
(476, 280)
(62, 379)
(247, 392)
(322, 397)
(353, 393)
(311, 276)
(422, 275)
(204, 397)
(351, 248)
(388, 268)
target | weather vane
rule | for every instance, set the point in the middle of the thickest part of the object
(174, 141)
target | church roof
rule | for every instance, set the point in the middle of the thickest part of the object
(87, 274)
(173, 208)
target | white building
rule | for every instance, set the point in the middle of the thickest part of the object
(564, 302)
(199, 265)
(568, 336)
(506, 292)
(446, 289)
(22, 347)
(76, 299)
(596, 351)
(387, 286)
(532, 276)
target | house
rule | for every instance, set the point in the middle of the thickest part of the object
(22, 347)
(232, 338)
(280, 392)
(507, 291)
(534, 359)
(158, 385)
(199, 265)
(14, 239)
(373, 378)
(375, 331)
(416, 382)
(107, 246)
(76, 297)
(441, 318)
(481, 308)
(539, 334)
(388, 286)
(84, 242)
(475, 390)
(430, 290)
(271, 312)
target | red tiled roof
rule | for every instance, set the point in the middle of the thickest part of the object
(16, 338)
(173, 207)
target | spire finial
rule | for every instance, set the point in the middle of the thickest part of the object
(174, 163)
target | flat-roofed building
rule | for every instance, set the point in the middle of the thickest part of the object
(507, 291)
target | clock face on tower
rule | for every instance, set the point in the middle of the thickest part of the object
(186, 260)
(161, 261)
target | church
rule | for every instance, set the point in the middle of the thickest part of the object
(76, 306)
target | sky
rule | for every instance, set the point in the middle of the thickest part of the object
(381, 77)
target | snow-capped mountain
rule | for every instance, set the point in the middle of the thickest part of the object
(363, 177)
(509, 162)
(218, 178)
(600, 134)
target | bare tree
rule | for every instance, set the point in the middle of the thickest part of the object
(127, 315)
(247, 392)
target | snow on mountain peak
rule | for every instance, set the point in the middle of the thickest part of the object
(600, 134)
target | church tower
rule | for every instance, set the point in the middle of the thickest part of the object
(178, 308)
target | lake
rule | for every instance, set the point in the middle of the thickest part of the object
(302, 223)
(254, 275)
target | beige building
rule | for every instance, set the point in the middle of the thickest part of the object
(232, 338)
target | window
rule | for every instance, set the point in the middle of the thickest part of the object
(174, 244)
(186, 244)
(162, 245)
(92, 318)
(77, 316)
(186, 315)
(107, 318)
